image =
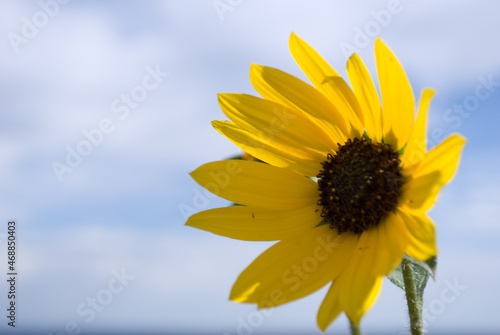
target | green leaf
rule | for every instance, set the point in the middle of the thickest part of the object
(422, 271)
(396, 277)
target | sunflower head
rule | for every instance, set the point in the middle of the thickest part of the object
(345, 184)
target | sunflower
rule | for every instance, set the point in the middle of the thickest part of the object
(346, 187)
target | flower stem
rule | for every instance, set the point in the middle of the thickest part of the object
(355, 329)
(413, 300)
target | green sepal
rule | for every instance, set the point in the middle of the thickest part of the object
(402, 150)
(322, 223)
(240, 157)
(422, 271)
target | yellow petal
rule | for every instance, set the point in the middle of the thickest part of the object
(328, 82)
(256, 224)
(392, 243)
(417, 143)
(367, 95)
(362, 300)
(257, 184)
(356, 283)
(422, 236)
(272, 151)
(292, 92)
(435, 170)
(443, 158)
(368, 294)
(330, 307)
(364, 295)
(398, 102)
(294, 268)
(268, 119)
(420, 194)
(378, 252)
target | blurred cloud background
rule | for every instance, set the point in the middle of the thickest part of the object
(102, 246)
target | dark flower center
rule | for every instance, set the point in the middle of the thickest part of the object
(359, 185)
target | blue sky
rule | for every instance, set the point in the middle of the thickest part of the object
(146, 75)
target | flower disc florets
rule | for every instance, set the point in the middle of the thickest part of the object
(359, 185)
